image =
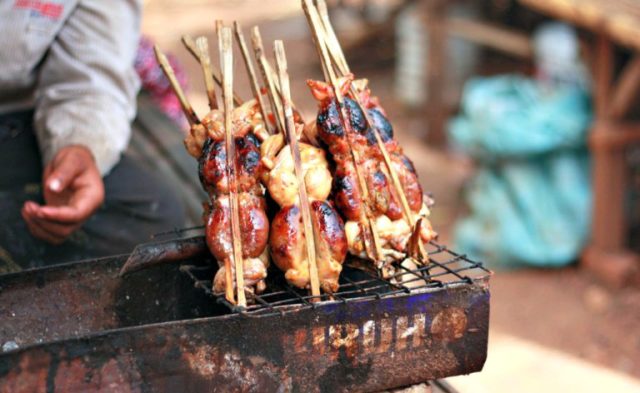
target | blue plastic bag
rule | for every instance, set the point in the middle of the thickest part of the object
(530, 200)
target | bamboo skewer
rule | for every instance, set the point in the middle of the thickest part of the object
(341, 63)
(192, 118)
(309, 228)
(415, 241)
(316, 40)
(276, 83)
(334, 47)
(205, 61)
(275, 91)
(230, 150)
(275, 77)
(269, 70)
(316, 29)
(267, 75)
(255, 86)
(190, 44)
(219, 26)
(228, 282)
(226, 65)
(226, 57)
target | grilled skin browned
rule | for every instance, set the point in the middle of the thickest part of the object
(287, 238)
(383, 204)
(254, 223)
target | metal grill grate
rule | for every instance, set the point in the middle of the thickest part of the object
(445, 268)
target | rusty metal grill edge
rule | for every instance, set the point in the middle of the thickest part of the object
(374, 335)
(446, 268)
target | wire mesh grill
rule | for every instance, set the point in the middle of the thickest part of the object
(445, 268)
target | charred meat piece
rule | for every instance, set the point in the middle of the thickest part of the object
(288, 245)
(383, 204)
(213, 165)
(254, 224)
(287, 239)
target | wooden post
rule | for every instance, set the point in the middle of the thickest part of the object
(436, 29)
(602, 70)
(609, 224)
(626, 89)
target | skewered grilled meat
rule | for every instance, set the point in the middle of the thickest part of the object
(213, 165)
(246, 119)
(282, 183)
(287, 238)
(213, 175)
(254, 274)
(288, 245)
(383, 202)
(254, 226)
(394, 235)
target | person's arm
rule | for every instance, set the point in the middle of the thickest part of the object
(84, 105)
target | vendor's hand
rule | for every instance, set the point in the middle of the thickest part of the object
(73, 190)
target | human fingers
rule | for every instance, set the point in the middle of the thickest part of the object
(37, 231)
(55, 228)
(62, 171)
(64, 214)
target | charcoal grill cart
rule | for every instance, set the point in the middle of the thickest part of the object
(79, 327)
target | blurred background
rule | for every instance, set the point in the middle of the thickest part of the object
(520, 119)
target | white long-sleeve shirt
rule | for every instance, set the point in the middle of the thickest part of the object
(72, 61)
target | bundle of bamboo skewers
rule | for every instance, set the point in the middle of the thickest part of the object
(307, 238)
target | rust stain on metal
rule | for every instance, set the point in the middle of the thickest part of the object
(223, 369)
(419, 325)
(77, 376)
(364, 345)
(449, 324)
(368, 333)
(317, 334)
(385, 332)
(404, 332)
(16, 381)
(203, 360)
(61, 302)
(344, 336)
(300, 340)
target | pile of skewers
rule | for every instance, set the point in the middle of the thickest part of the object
(341, 183)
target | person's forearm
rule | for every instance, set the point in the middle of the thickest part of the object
(87, 88)
(105, 132)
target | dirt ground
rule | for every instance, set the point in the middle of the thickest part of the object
(565, 309)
